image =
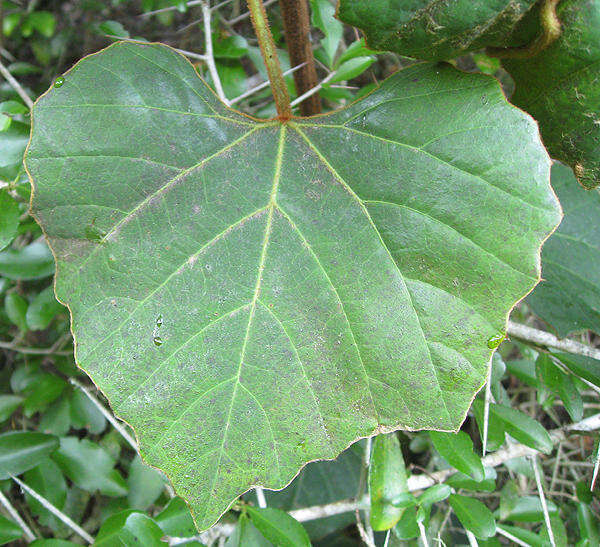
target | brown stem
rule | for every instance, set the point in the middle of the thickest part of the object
(296, 25)
(269, 53)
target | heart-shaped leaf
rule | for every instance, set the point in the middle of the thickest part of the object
(253, 295)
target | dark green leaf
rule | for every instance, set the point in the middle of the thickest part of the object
(16, 310)
(529, 509)
(352, 68)
(56, 419)
(435, 494)
(232, 47)
(457, 450)
(52, 543)
(85, 414)
(23, 450)
(246, 534)
(560, 384)
(387, 481)
(566, 99)
(432, 30)
(42, 21)
(48, 481)
(523, 428)
(9, 219)
(473, 515)
(525, 535)
(42, 391)
(12, 143)
(569, 296)
(89, 466)
(304, 259)
(31, 262)
(584, 367)
(8, 404)
(322, 16)
(129, 528)
(496, 434)
(588, 524)
(458, 481)
(407, 527)
(279, 527)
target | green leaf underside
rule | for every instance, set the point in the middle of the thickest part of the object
(568, 298)
(264, 294)
(431, 29)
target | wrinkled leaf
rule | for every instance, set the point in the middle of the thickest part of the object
(568, 298)
(433, 30)
(245, 270)
(565, 99)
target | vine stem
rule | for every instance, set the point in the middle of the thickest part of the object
(296, 26)
(269, 53)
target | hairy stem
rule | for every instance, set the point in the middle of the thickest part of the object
(296, 25)
(267, 48)
(550, 32)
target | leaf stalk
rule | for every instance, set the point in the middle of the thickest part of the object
(260, 22)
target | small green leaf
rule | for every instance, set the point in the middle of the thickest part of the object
(323, 17)
(458, 481)
(41, 391)
(457, 450)
(9, 530)
(145, 485)
(473, 515)
(560, 384)
(496, 434)
(10, 22)
(129, 528)
(56, 419)
(32, 262)
(584, 367)
(175, 519)
(588, 524)
(53, 543)
(232, 47)
(352, 68)
(16, 310)
(279, 527)
(42, 21)
(42, 309)
(523, 428)
(23, 450)
(89, 466)
(355, 49)
(113, 29)
(509, 497)
(529, 509)
(8, 404)
(435, 494)
(9, 219)
(85, 414)
(48, 481)
(407, 527)
(527, 536)
(12, 143)
(246, 534)
(387, 481)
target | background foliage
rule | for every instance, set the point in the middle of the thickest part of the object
(56, 440)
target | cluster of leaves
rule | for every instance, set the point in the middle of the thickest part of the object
(58, 443)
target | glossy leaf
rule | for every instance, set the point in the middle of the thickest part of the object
(560, 384)
(565, 99)
(42, 309)
(145, 485)
(278, 527)
(31, 262)
(582, 366)
(23, 450)
(48, 481)
(16, 310)
(129, 528)
(568, 298)
(432, 30)
(223, 273)
(322, 17)
(523, 428)
(387, 481)
(8, 404)
(459, 481)
(175, 519)
(529, 509)
(473, 515)
(457, 450)
(9, 219)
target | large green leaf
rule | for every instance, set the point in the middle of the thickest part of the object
(560, 88)
(255, 295)
(568, 298)
(434, 30)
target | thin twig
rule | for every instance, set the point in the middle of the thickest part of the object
(423, 534)
(108, 415)
(16, 517)
(508, 535)
(210, 60)
(544, 338)
(15, 85)
(260, 497)
(538, 481)
(33, 351)
(472, 539)
(56, 512)
(596, 465)
(312, 91)
(486, 412)
(261, 86)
